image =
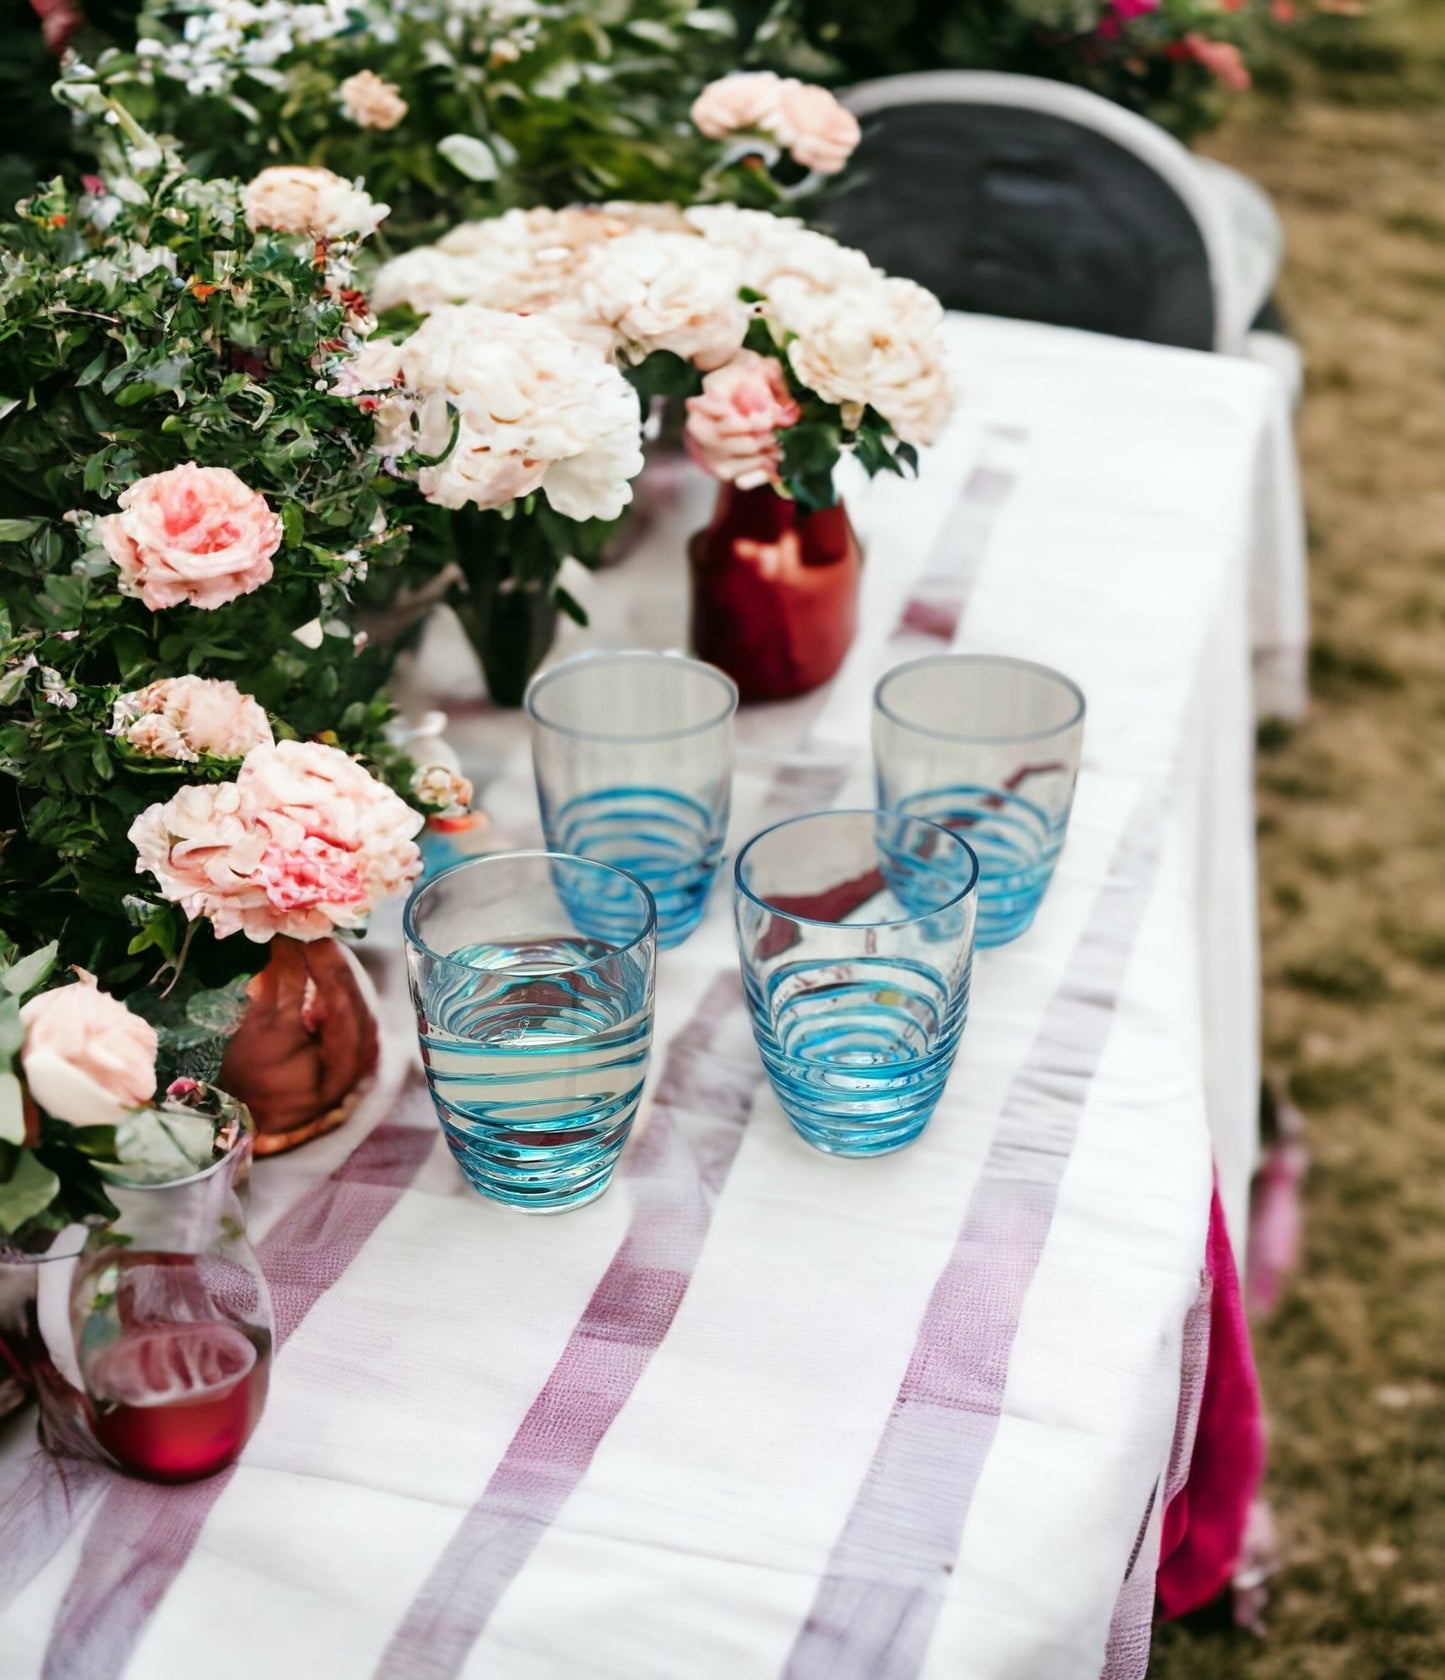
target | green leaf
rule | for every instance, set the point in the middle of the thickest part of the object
(16, 530)
(293, 523)
(28, 1191)
(30, 972)
(12, 1109)
(473, 157)
(570, 605)
(12, 1032)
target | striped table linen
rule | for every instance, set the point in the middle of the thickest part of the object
(759, 1412)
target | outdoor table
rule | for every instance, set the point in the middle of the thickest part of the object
(761, 1412)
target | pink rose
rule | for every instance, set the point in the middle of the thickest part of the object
(185, 717)
(1128, 10)
(303, 842)
(86, 1058)
(1222, 59)
(732, 428)
(194, 534)
(747, 100)
(820, 133)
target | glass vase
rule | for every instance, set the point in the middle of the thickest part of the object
(171, 1320)
(774, 592)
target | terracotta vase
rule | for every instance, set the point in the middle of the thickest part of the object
(774, 592)
(306, 1046)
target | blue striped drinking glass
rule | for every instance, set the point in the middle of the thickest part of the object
(535, 1030)
(855, 931)
(989, 747)
(633, 754)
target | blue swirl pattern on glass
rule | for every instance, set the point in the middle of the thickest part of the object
(856, 934)
(535, 1033)
(668, 841)
(1017, 844)
(858, 1054)
(536, 1056)
(989, 747)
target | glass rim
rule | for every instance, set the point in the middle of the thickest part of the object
(413, 938)
(856, 811)
(114, 1173)
(909, 665)
(643, 656)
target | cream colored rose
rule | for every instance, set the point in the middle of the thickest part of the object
(185, 717)
(295, 198)
(665, 291)
(818, 132)
(303, 842)
(86, 1058)
(196, 534)
(525, 262)
(371, 102)
(877, 346)
(780, 257)
(533, 409)
(747, 100)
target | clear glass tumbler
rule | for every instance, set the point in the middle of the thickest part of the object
(988, 747)
(633, 754)
(855, 930)
(535, 1029)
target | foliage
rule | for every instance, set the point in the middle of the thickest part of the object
(1138, 58)
(142, 326)
(507, 103)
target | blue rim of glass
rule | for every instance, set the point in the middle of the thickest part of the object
(408, 919)
(927, 659)
(855, 811)
(639, 656)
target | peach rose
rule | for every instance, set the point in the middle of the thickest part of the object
(371, 102)
(732, 427)
(818, 132)
(1221, 59)
(194, 534)
(745, 100)
(185, 717)
(303, 842)
(296, 198)
(86, 1058)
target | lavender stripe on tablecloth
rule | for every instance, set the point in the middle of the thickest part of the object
(142, 1534)
(676, 1171)
(41, 1500)
(875, 1609)
(939, 598)
(1131, 1629)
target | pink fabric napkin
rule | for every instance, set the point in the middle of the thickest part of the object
(1204, 1524)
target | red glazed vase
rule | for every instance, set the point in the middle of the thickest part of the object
(774, 592)
(306, 1045)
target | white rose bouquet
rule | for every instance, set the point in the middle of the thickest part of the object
(791, 348)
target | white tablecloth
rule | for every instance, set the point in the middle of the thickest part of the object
(759, 1412)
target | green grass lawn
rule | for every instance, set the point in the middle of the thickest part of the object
(1352, 853)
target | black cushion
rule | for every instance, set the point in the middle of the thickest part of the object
(1012, 212)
